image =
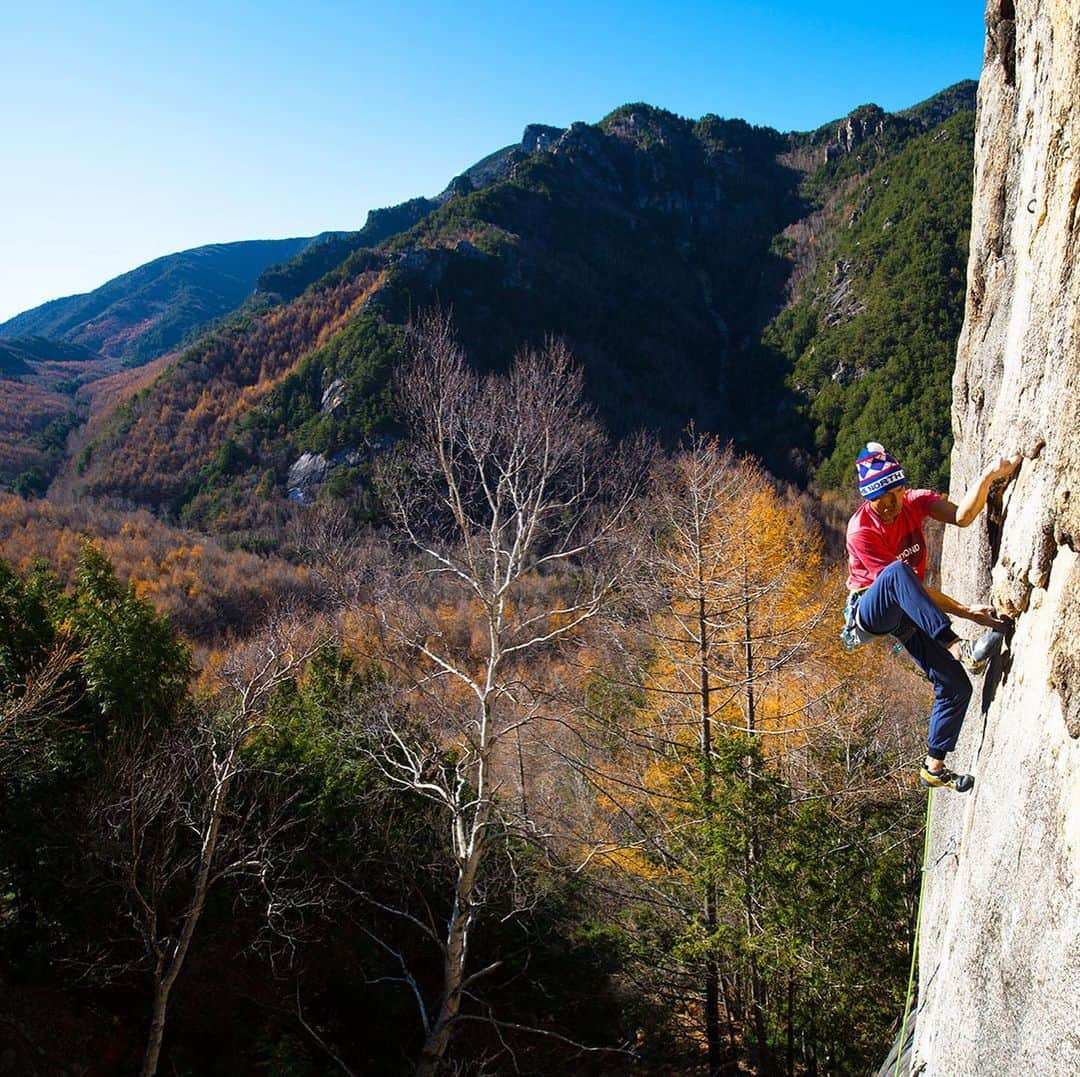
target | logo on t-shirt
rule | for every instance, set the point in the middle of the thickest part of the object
(912, 552)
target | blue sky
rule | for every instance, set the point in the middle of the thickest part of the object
(132, 130)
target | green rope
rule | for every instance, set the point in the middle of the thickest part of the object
(918, 925)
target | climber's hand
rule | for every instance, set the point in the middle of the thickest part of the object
(988, 616)
(1003, 467)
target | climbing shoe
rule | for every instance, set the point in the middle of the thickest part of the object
(935, 779)
(974, 656)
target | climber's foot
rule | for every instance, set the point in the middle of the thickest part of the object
(974, 655)
(936, 779)
(988, 644)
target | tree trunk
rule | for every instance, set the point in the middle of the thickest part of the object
(712, 1016)
(757, 1005)
(791, 1025)
(730, 995)
(712, 977)
(157, 1027)
(753, 850)
(457, 952)
(169, 970)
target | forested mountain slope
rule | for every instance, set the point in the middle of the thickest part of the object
(40, 382)
(152, 309)
(870, 337)
(659, 248)
(48, 354)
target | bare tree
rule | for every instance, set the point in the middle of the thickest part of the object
(341, 559)
(47, 693)
(178, 818)
(506, 502)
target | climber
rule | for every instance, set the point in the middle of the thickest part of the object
(887, 565)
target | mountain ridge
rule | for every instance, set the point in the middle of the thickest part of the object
(152, 308)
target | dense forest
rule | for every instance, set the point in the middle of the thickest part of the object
(870, 341)
(560, 769)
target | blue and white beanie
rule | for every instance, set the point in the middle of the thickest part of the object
(878, 470)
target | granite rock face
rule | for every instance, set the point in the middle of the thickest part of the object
(305, 474)
(1000, 962)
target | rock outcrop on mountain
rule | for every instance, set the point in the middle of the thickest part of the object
(863, 124)
(1000, 962)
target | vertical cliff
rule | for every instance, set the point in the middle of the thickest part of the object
(1000, 963)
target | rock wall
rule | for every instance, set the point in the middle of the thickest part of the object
(1000, 963)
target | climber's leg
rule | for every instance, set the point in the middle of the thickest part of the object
(897, 603)
(952, 692)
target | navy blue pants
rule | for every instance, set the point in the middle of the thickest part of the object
(896, 603)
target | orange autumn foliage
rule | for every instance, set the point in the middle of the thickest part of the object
(209, 592)
(173, 427)
(739, 643)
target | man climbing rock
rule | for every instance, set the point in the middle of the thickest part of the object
(887, 565)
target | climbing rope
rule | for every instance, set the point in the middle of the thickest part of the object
(918, 925)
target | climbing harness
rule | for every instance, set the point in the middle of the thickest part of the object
(853, 634)
(918, 925)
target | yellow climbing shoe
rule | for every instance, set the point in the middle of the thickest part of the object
(935, 779)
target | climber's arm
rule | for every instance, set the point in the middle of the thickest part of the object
(981, 615)
(949, 606)
(972, 503)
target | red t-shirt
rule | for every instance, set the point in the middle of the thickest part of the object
(873, 545)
